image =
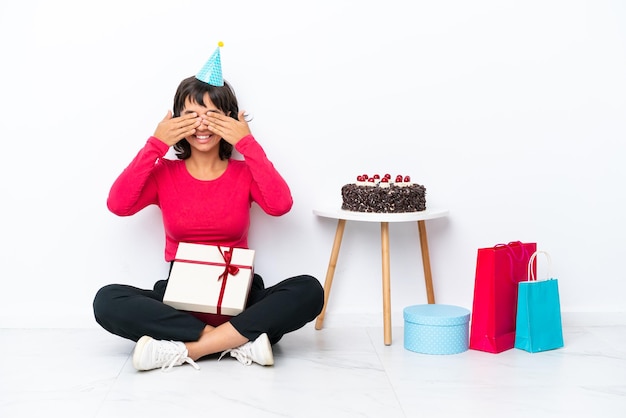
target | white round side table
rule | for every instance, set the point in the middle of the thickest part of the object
(384, 219)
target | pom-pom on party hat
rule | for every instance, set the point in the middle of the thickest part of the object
(211, 72)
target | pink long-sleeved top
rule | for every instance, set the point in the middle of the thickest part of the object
(213, 212)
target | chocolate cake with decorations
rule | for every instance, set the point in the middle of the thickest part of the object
(378, 194)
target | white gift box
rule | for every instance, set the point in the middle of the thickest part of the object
(210, 279)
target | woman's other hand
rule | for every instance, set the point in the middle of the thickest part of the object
(232, 130)
(171, 130)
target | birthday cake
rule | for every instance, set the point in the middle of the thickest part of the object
(377, 194)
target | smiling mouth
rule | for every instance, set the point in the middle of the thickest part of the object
(204, 138)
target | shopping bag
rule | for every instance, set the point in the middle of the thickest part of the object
(539, 326)
(499, 269)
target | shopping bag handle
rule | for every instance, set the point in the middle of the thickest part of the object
(512, 256)
(511, 245)
(533, 258)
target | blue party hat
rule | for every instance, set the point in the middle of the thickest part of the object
(211, 72)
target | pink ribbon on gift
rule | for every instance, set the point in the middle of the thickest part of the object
(229, 268)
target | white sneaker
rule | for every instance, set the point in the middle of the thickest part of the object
(258, 351)
(151, 354)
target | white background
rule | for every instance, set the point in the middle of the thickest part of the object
(511, 113)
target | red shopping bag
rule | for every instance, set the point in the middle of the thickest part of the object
(499, 269)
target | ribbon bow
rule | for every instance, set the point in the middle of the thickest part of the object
(228, 268)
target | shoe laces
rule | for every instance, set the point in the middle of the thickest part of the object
(242, 353)
(170, 354)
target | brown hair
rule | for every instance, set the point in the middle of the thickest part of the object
(222, 97)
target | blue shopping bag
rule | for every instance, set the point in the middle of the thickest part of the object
(538, 322)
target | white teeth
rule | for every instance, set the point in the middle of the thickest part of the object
(202, 137)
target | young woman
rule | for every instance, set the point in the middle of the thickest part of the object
(205, 197)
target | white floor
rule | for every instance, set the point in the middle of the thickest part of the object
(337, 371)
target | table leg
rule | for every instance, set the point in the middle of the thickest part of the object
(384, 237)
(428, 277)
(330, 272)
